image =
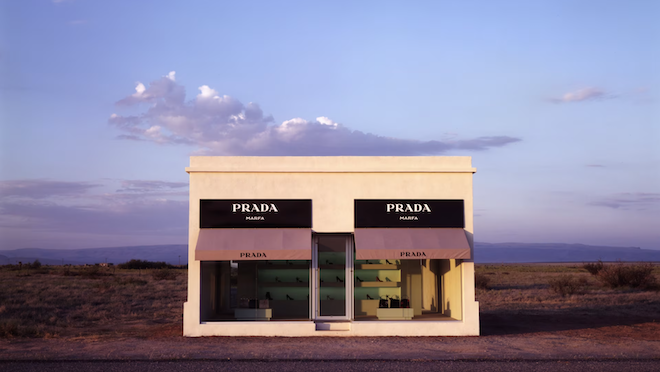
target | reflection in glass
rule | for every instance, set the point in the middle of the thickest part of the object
(255, 290)
(332, 272)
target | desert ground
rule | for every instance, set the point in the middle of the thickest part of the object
(528, 311)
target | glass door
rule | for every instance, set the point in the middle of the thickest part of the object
(333, 277)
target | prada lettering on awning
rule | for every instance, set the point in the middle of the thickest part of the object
(418, 243)
(253, 244)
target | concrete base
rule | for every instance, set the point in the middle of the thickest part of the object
(395, 314)
(253, 314)
(333, 326)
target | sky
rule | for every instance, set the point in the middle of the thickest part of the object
(103, 102)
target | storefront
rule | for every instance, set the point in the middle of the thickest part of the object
(331, 246)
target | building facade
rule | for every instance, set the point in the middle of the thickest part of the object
(331, 246)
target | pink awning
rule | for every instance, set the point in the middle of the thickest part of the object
(253, 244)
(412, 243)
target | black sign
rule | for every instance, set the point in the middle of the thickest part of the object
(409, 213)
(250, 213)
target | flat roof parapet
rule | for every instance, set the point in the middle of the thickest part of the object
(331, 164)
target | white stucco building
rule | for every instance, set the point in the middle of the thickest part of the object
(331, 246)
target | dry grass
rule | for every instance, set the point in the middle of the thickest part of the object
(82, 302)
(566, 285)
(93, 303)
(528, 288)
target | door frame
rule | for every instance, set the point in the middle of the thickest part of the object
(349, 281)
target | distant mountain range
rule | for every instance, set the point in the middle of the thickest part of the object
(484, 253)
(556, 252)
(115, 255)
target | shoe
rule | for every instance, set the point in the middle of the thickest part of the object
(289, 298)
(298, 280)
(387, 279)
(357, 278)
(369, 297)
(388, 262)
(329, 298)
(268, 296)
(339, 280)
(277, 279)
(328, 262)
(368, 263)
(378, 280)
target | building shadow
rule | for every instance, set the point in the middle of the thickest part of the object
(519, 322)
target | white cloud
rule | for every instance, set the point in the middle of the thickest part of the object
(221, 125)
(139, 90)
(326, 121)
(206, 93)
(584, 94)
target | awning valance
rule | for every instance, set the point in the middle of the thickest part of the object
(254, 244)
(411, 243)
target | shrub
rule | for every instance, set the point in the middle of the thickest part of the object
(144, 264)
(9, 329)
(132, 281)
(68, 272)
(94, 272)
(594, 268)
(164, 274)
(566, 285)
(634, 276)
(481, 281)
(103, 286)
(36, 264)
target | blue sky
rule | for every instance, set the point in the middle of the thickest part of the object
(102, 103)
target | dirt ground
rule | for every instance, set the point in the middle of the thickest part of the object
(510, 336)
(520, 319)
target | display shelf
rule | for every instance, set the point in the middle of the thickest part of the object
(333, 267)
(333, 284)
(377, 279)
(377, 267)
(395, 314)
(276, 303)
(378, 284)
(285, 284)
(253, 314)
(283, 267)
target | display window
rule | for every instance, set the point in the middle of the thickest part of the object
(387, 289)
(391, 289)
(255, 290)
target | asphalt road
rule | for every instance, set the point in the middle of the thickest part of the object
(334, 366)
